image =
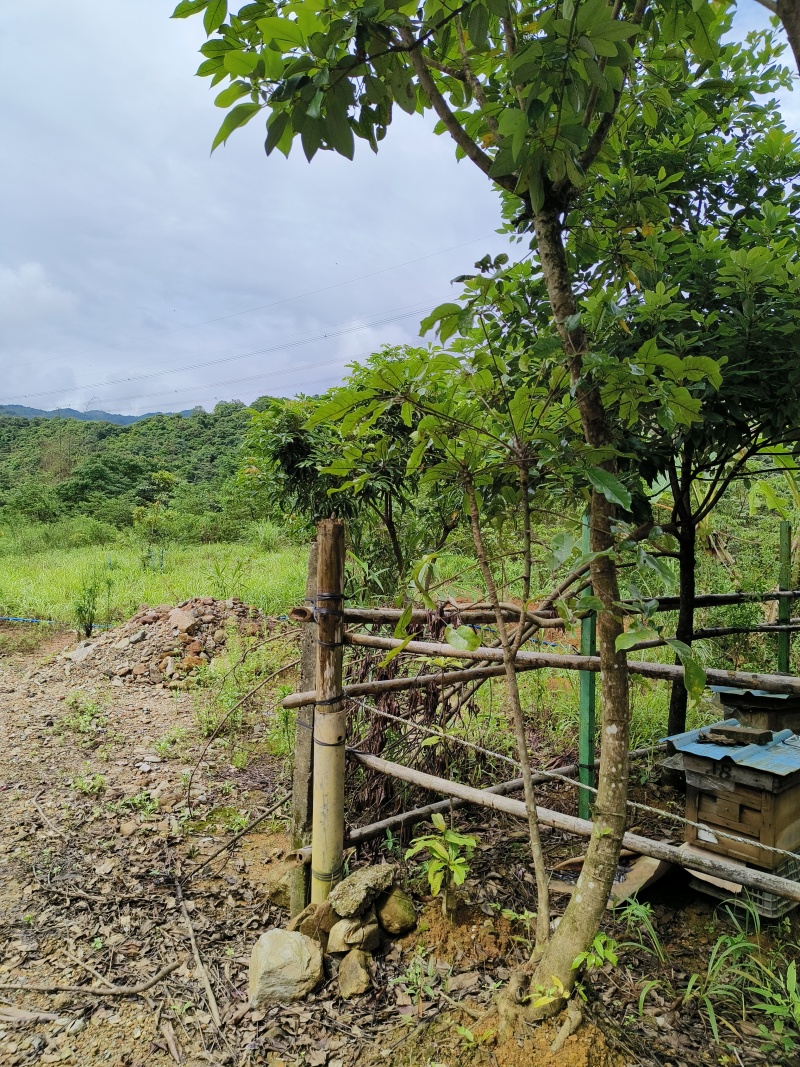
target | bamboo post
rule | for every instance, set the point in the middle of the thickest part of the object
(302, 786)
(327, 840)
(784, 604)
(588, 699)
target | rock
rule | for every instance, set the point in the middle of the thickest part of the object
(219, 637)
(277, 883)
(326, 917)
(183, 621)
(128, 827)
(122, 670)
(284, 966)
(189, 663)
(354, 976)
(358, 890)
(140, 669)
(396, 913)
(360, 932)
(140, 635)
(302, 917)
(81, 653)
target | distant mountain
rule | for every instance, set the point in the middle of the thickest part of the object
(85, 416)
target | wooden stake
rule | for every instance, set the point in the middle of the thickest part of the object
(330, 725)
(784, 605)
(302, 786)
(643, 846)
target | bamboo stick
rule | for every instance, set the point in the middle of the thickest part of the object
(303, 775)
(771, 683)
(362, 834)
(330, 726)
(389, 685)
(391, 616)
(744, 876)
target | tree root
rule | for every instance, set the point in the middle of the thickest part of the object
(568, 1027)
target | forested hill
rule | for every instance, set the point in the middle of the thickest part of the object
(82, 416)
(54, 468)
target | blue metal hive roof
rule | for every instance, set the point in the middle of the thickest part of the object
(780, 756)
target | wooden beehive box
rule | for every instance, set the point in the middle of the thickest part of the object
(754, 707)
(737, 786)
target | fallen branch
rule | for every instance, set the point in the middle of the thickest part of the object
(48, 821)
(110, 991)
(212, 1000)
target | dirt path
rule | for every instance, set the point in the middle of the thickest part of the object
(95, 830)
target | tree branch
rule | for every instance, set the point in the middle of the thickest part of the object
(470, 149)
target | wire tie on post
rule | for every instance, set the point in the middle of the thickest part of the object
(334, 876)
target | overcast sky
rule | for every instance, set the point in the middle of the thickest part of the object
(138, 273)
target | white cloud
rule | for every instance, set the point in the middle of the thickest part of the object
(27, 294)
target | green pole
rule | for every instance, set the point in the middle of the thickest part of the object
(588, 698)
(784, 604)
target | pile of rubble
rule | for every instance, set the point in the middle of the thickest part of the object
(165, 645)
(360, 916)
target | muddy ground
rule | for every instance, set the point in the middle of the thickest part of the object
(99, 885)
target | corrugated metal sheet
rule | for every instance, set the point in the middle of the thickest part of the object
(780, 756)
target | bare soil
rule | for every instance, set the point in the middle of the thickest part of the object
(98, 834)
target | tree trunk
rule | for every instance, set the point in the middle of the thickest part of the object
(684, 630)
(581, 920)
(789, 13)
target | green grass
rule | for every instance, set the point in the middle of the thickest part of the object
(46, 584)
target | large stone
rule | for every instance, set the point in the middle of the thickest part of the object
(354, 976)
(183, 621)
(360, 932)
(355, 894)
(396, 913)
(284, 966)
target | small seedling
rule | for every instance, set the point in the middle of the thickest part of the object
(472, 1040)
(448, 853)
(90, 785)
(419, 977)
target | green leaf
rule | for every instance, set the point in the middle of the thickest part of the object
(402, 624)
(278, 123)
(339, 133)
(438, 821)
(390, 655)
(216, 13)
(239, 63)
(634, 635)
(187, 8)
(233, 120)
(232, 93)
(694, 677)
(462, 638)
(281, 31)
(610, 486)
(649, 114)
(478, 25)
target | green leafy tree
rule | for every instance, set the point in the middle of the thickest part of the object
(530, 93)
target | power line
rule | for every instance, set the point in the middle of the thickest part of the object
(263, 307)
(248, 378)
(280, 346)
